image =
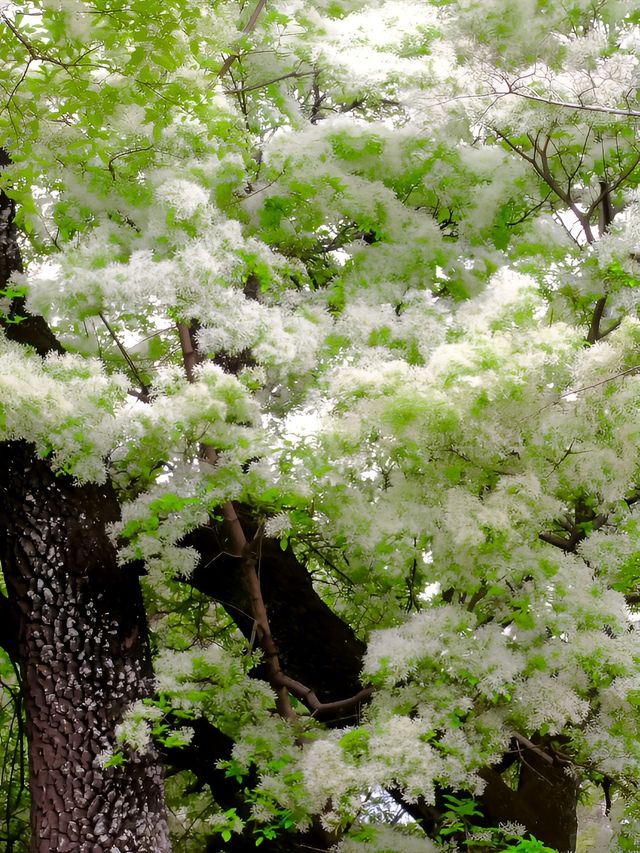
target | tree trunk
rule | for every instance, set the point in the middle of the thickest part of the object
(553, 788)
(83, 657)
(545, 801)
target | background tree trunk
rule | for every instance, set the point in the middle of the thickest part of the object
(553, 789)
(83, 655)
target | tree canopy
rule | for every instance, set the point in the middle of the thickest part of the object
(319, 425)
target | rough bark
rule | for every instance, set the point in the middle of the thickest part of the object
(83, 656)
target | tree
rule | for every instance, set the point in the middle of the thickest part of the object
(319, 425)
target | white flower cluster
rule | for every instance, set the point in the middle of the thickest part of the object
(135, 729)
(385, 840)
(212, 681)
(66, 405)
(620, 245)
(361, 50)
(278, 338)
(182, 196)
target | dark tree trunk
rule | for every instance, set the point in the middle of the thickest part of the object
(83, 655)
(546, 797)
(552, 790)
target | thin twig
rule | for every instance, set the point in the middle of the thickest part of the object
(112, 171)
(132, 367)
(31, 50)
(309, 698)
(522, 741)
(594, 108)
(628, 372)
(262, 85)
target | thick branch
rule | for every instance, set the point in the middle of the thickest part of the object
(603, 203)
(540, 163)
(190, 355)
(577, 532)
(316, 648)
(558, 541)
(594, 329)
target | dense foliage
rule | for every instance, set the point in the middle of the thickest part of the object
(351, 288)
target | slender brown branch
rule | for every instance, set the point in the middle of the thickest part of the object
(564, 456)
(496, 96)
(263, 629)
(308, 697)
(628, 372)
(540, 163)
(115, 157)
(531, 210)
(248, 27)
(190, 354)
(519, 151)
(594, 329)
(544, 170)
(265, 83)
(614, 325)
(609, 187)
(522, 741)
(126, 356)
(603, 202)
(329, 563)
(192, 357)
(29, 47)
(568, 105)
